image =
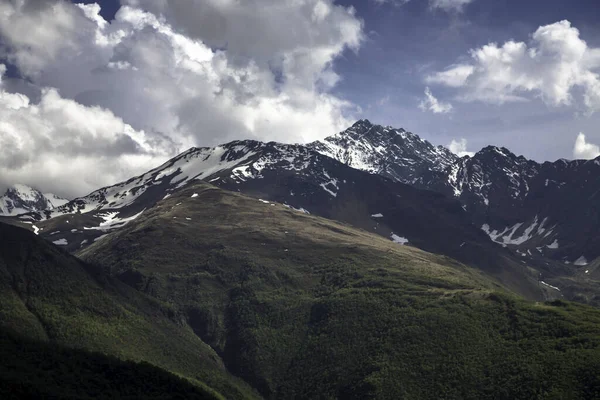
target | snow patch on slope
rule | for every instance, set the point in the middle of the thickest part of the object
(54, 200)
(550, 286)
(507, 236)
(399, 239)
(111, 221)
(581, 261)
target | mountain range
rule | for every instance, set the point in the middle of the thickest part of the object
(527, 222)
(300, 178)
(370, 264)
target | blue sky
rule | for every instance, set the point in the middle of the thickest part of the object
(113, 88)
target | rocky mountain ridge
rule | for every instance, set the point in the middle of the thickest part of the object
(548, 209)
(358, 177)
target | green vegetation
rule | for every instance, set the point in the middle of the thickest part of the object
(302, 307)
(31, 369)
(49, 295)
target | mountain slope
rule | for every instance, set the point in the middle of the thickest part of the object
(302, 178)
(48, 295)
(304, 307)
(19, 199)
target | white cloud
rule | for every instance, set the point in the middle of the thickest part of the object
(43, 29)
(584, 150)
(300, 37)
(459, 147)
(555, 64)
(59, 141)
(454, 76)
(192, 73)
(431, 103)
(449, 5)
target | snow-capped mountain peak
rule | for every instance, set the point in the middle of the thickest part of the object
(24, 192)
(395, 153)
(19, 199)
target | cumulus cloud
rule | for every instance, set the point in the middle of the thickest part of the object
(298, 38)
(42, 27)
(59, 141)
(431, 103)
(193, 73)
(449, 5)
(459, 147)
(555, 65)
(585, 150)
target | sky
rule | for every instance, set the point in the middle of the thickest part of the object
(94, 93)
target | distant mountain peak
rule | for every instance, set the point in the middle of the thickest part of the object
(23, 191)
(364, 126)
(497, 150)
(392, 152)
(20, 198)
(362, 122)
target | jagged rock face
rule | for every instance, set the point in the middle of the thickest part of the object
(393, 153)
(493, 179)
(20, 199)
(547, 210)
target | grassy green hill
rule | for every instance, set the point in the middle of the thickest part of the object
(303, 307)
(48, 295)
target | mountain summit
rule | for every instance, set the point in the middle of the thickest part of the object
(383, 150)
(19, 199)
